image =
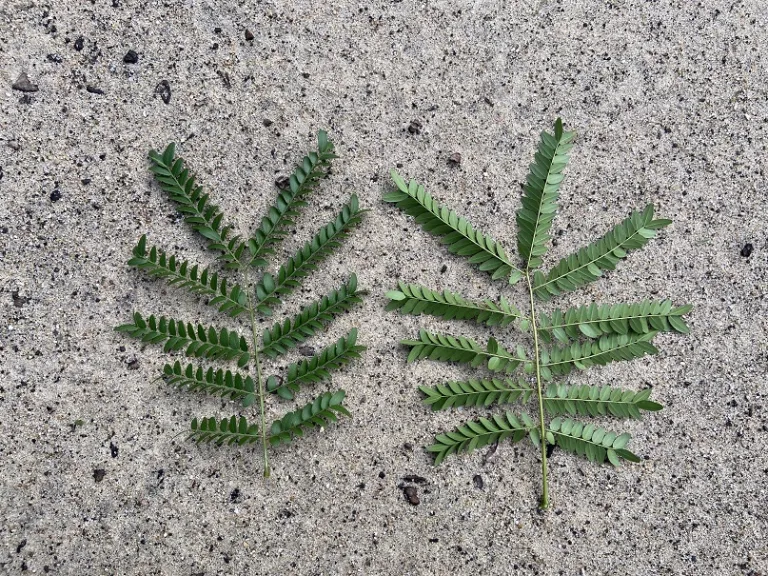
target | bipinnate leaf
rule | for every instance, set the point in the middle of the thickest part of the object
(318, 368)
(594, 321)
(414, 300)
(216, 383)
(540, 194)
(232, 430)
(586, 264)
(317, 414)
(595, 443)
(280, 216)
(478, 433)
(313, 318)
(197, 340)
(565, 399)
(473, 392)
(456, 232)
(231, 300)
(329, 238)
(203, 216)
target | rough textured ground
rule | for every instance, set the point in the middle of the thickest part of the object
(669, 100)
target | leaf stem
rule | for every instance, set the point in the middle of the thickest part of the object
(260, 383)
(544, 502)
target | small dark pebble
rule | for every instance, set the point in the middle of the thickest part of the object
(163, 89)
(55, 195)
(305, 74)
(282, 182)
(414, 127)
(55, 58)
(21, 545)
(382, 474)
(248, 35)
(215, 46)
(79, 43)
(133, 363)
(412, 495)
(414, 478)
(443, 268)
(746, 252)
(94, 89)
(408, 446)
(234, 496)
(85, 181)
(217, 30)
(306, 350)
(23, 84)
(113, 450)
(99, 474)
(454, 159)
(477, 480)
(488, 101)
(550, 449)
(1, 173)
(267, 122)
(434, 540)
(131, 57)
(285, 513)
(19, 301)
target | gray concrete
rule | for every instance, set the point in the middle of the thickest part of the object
(669, 100)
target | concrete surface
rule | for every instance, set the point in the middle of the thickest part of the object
(669, 100)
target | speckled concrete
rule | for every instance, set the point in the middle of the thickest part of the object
(669, 101)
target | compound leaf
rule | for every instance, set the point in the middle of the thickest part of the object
(540, 194)
(586, 264)
(280, 216)
(479, 393)
(232, 430)
(317, 414)
(318, 368)
(478, 433)
(456, 232)
(228, 298)
(203, 216)
(594, 321)
(329, 238)
(196, 339)
(414, 300)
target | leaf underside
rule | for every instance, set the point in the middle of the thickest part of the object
(455, 231)
(540, 194)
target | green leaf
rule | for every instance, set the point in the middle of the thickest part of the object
(281, 215)
(596, 444)
(584, 400)
(196, 340)
(609, 348)
(446, 348)
(415, 300)
(216, 383)
(318, 367)
(228, 298)
(595, 321)
(328, 239)
(312, 318)
(202, 216)
(229, 431)
(540, 194)
(478, 433)
(585, 264)
(319, 413)
(480, 393)
(456, 232)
